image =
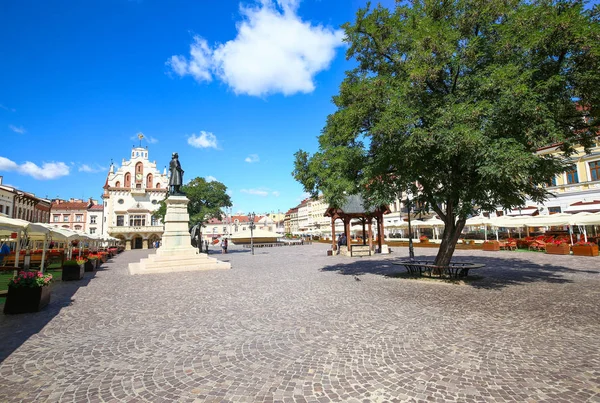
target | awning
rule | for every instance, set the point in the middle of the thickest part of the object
(590, 207)
(527, 211)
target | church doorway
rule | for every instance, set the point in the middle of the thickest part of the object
(137, 243)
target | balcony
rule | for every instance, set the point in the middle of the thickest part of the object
(140, 229)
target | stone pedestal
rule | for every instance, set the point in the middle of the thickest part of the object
(176, 252)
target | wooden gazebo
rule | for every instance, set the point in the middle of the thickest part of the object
(354, 209)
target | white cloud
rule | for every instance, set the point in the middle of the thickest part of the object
(7, 165)
(211, 179)
(6, 108)
(252, 158)
(152, 140)
(48, 170)
(274, 52)
(276, 193)
(256, 192)
(20, 130)
(203, 140)
(89, 169)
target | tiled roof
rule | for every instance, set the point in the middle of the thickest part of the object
(70, 206)
(97, 207)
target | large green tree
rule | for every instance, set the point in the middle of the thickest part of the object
(207, 200)
(450, 100)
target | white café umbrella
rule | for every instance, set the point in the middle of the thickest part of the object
(11, 225)
(479, 221)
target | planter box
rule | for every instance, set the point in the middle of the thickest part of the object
(70, 273)
(90, 265)
(491, 246)
(585, 250)
(560, 249)
(26, 299)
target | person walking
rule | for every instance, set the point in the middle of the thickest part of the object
(224, 246)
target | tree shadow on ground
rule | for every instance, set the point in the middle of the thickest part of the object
(497, 273)
(17, 329)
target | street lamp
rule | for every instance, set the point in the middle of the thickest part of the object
(411, 250)
(251, 217)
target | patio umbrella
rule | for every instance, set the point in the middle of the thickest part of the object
(12, 225)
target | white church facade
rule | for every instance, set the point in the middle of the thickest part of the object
(132, 193)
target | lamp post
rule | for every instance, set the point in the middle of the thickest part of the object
(411, 250)
(251, 217)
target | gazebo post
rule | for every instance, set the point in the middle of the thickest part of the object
(370, 234)
(333, 245)
(347, 232)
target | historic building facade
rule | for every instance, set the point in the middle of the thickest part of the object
(132, 194)
(71, 214)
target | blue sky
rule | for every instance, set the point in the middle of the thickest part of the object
(234, 87)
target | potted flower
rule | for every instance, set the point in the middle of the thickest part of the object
(491, 246)
(423, 239)
(558, 247)
(93, 262)
(29, 291)
(72, 270)
(585, 249)
(88, 264)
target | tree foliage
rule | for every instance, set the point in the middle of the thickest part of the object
(451, 100)
(207, 199)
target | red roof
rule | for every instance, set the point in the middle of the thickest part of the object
(70, 206)
(97, 207)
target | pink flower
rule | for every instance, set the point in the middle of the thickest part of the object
(39, 274)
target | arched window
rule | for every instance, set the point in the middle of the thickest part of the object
(149, 181)
(118, 184)
(127, 180)
(158, 185)
(139, 168)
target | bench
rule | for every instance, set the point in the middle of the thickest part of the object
(453, 270)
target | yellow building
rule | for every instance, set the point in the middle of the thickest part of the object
(577, 189)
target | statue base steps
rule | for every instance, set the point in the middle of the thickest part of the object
(176, 253)
(176, 260)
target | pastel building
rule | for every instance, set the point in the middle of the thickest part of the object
(132, 194)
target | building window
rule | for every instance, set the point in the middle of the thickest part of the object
(92, 230)
(551, 182)
(554, 210)
(93, 219)
(121, 201)
(137, 221)
(8, 211)
(595, 170)
(118, 184)
(120, 221)
(572, 176)
(56, 218)
(66, 218)
(78, 217)
(153, 221)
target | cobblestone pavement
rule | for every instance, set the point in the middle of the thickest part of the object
(293, 325)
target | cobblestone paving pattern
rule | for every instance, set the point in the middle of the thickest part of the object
(293, 325)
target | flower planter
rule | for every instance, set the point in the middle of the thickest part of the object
(72, 272)
(585, 250)
(558, 249)
(491, 246)
(90, 265)
(26, 299)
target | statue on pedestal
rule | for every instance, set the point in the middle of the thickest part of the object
(176, 178)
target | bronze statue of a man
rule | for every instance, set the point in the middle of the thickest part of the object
(176, 179)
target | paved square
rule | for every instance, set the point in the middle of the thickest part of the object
(293, 325)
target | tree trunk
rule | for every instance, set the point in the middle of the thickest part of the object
(451, 234)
